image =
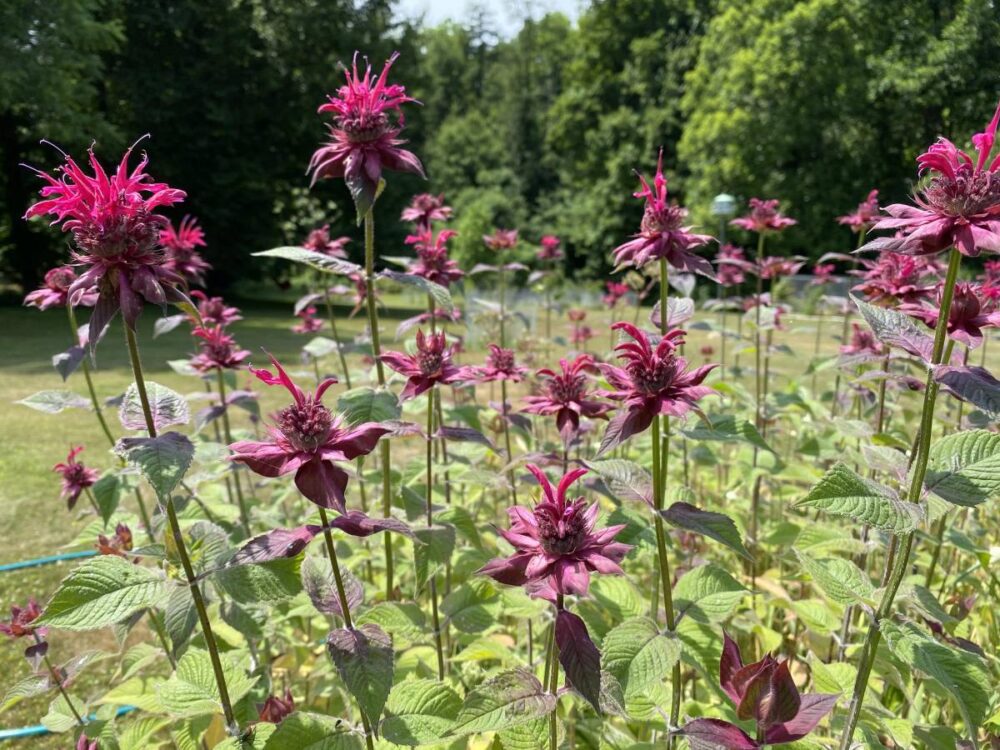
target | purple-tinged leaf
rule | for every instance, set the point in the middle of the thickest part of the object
(682, 282)
(398, 428)
(482, 268)
(246, 400)
(679, 311)
(274, 545)
(321, 586)
(717, 526)
(167, 407)
(167, 324)
(464, 435)
(303, 302)
(364, 659)
(579, 657)
(827, 257)
(509, 699)
(206, 416)
(974, 385)
(312, 258)
(356, 523)
(730, 663)
(811, 711)
(515, 266)
(716, 734)
(163, 460)
(66, 362)
(621, 427)
(894, 328)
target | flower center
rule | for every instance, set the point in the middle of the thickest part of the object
(430, 363)
(364, 126)
(968, 194)
(561, 534)
(564, 390)
(502, 359)
(652, 377)
(305, 426)
(127, 230)
(76, 474)
(60, 279)
(666, 219)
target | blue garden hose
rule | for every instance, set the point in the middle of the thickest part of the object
(38, 561)
(40, 729)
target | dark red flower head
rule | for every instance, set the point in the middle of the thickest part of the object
(310, 441)
(217, 350)
(180, 247)
(550, 248)
(966, 319)
(319, 241)
(731, 266)
(566, 395)
(75, 477)
(213, 311)
(118, 544)
(864, 216)
(364, 136)
(615, 292)
(892, 278)
(500, 365)
(425, 209)
(663, 233)
(308, 322)
(765, 693)
(430, 365)
(116, 231)
(822, 272)
(501, 239)
(54, 291)
(862, 341)
(763, 217)
(960, 205)
(21, 619)
(774, 267)
(555, 545)
(275, 708)
(432, 261)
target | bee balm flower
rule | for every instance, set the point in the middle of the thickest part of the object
(180, 249)
(425, 209)
(54, 291)
(566, 395)
(75, 477)
(864, 216)
(763, 217)
(430, 365)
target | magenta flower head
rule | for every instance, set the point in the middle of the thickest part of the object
(364, 136)
(275, 708)
(319, 241)
(556, 547)
(501, 239)
(432, 261)
(217, 350)
(566, 395)
(118, 544)
(967, 316)
(75, 477)
(21, 618)
(180, 247)
(662, 233)
(425, 209)
(213, 311)
(864, 216)
(765, 693)
(308, 322)
(614, 293)
(54, 291)
(653, 381)
(960, 205)
(116, 230)
(731, 266)
(310, 441)
(893, 278)
(822, 273)
(862, 341)
(774, 267)
(550, 249)
(430, 365)
(763, 217)
(500, 365)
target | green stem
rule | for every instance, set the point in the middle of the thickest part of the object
(506, 437)
(430, 522)
(503, 310)
(227, 430)
(154, 620)
(905, 546)
(758, 419)
(554, 679)
(336, 337)
(57, 678)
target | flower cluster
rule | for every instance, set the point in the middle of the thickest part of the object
(217, 350)
(21, 618)
(763, 217)
(566, 395)
(308, 322)
(432, 261)
(893, 278)
(501, 239)
(54, 291)
(550, 248)
(968, 316)
(180, 248)
(118, 544)
(500, 365)
(864, 216)
(213, 311)
(425, 209)
(731, 266)
(319, 241)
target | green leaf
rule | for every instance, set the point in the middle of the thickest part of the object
(312, 259)
(841, 580)
(368, 405)
(406, 621)
(138, 733)
(107, 493)
(894, 328)
(727, 429)
(844, 493)
(26, 687)
(626, 480)
(463, 521)
(272, 581)
(167, 407)
(438, 544)
(163, 460)
(964, 468)
(192, 689)
(305, 731)
(638, 655)
(440, 294)
(715, 526)
(180, 618)
(503, 701)
(102, 591)
(707, 594)
(420, 712)
(472, 607)
(364, 660)
(962, 674)
(53, 402)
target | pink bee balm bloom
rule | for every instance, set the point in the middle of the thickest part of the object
(774, 267)
(358, 293)
(966, 318)
(580, 335)
(501, 239)
(662, 233)
(319, 241)
(822, 273)
(308, 322)
(363, 136)
(959, 207)
(432, 261)
(425, 209)
(653, 381)
(500, 365)
(763, 217)
(116, 230)
(21, 618)
(731, 266)
(556, 547)
(991, 271)
(75, 477)
(430, 365)
(180, 250)
(550, 248)
(85, 743)
(862, 341)
(275, 708)
(765, 693)
(864, 216)
(566, 395)
(615, 292)
(892, 278)
(54, 291)
(213, 311)
(218, 350)
(310, 441)
(118, 544)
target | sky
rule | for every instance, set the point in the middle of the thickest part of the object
(507, 14)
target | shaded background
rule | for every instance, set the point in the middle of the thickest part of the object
(814, 102)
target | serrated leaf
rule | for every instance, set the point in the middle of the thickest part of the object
(974, 385)
(406, 621)
(842, 492)
(368, 405)
(440, 294)
(26, 687)
(167, 323)
(364, 660)
(964, 468)
(579, 657)
(707, 594)
(717, 526)
(503, 701)
(107, 493)
(272, 581)
(166, 406)
(726, 428)
(321, 586)
(180, 618)
(438, 542)
(638, 655)
(192, 689)
(313, 259)
(420, 712)
(306, 731)
(841, 580)
(65, 363)
(626, 480)
(897, 329)
(163, 460)
(102, 591)
(472, 607)
(53, 402)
